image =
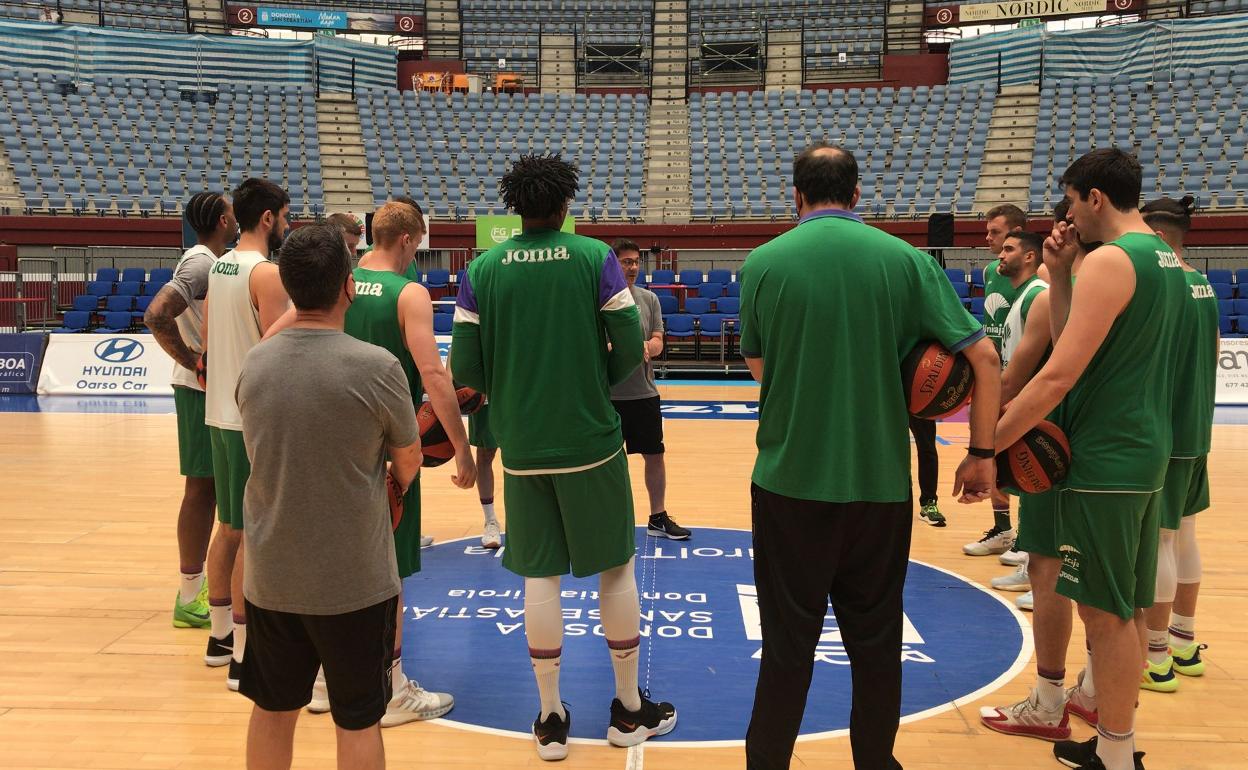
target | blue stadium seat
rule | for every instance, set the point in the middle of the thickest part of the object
(115, 323)
(100, 288)
(443, 323)
(119, 303)
(1216, 275)
(679, 326)
(963, 290)
(691, 277)
(108, 274)
(1222, 290)
(1226, 307)
(977, 307)
(74, 321)
(728, 306)
(734, 289)
(135, 274)
(719, 276)
(697, 305)
(712, 325)
(161, 275)
(1241, 280)
(438, 278)
(711, 290)
(140, 308)
(977, 277)
(128, 288)
(663, 276)
(86, 302)
(668, 304)
(1225, 324)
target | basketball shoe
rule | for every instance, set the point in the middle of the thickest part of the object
(551, 736)
(629, 728)
(1080, 704)
(426, 541)
(491, 537)
(1187, 659)
(1026, 602)
(1013, 557)
(413, 703)
(1028, 719)
(219, 651)
(1018, 580)
(1082, 755)
(931, 515)
(1159, 677)
(193, 614)
(994, 541)
(661, 525)
(235, 673)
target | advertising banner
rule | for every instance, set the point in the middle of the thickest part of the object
(113, 364)
(299, 17)
(493, 230)
(1233, 372)
(20, 355)
(325, 21)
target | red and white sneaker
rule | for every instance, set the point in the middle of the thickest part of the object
(1026, 718)
(1080, 704)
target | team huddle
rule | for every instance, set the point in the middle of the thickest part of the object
(297, 382)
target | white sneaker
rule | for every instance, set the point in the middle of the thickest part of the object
(1025, 602)
(491, 537)
(1018, 580)
(1013, 557)
(1028, 718)
(426, 541)
(320, 694)
(993, 541)
(414, 703)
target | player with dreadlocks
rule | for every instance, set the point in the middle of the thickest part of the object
(530, 323)
(176, 320)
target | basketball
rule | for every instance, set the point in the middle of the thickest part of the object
(938, 382)
(1037, 461)
(394, 494)
(201, 370)
(434, 443)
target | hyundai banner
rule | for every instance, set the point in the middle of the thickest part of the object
(114, 364)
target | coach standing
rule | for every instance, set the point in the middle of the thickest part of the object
(321, 412)
(828, 311)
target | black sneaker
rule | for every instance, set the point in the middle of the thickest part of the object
(235, 673)
(219, 650)
(551, 736)
(629, 728)
(661, 525)
(1082, 756)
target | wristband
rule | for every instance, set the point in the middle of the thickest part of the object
(986, 454)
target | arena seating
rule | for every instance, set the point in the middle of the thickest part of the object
(1213, 7)
(121, 145)
(919, 149)
(152, 15)
(385, 7)
(1190, 134)
(451, 150)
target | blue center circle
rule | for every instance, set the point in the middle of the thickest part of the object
(463, 633)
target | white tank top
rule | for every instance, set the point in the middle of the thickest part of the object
(233, 330)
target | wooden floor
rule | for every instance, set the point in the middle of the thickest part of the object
(92, 675)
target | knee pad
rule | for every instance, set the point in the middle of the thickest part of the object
(1187, 553)
(1167, 578)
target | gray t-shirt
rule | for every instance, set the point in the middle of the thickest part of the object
(190, 280)
(641, 383)
(319, 411)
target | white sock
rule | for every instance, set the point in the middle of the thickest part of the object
(240, 640)
(1089, 684)
(488, 510)
(1116, 750)
(543, 628)
(222, 616)
(1050, 691)
(398, 680)
(190, 585)
(621, 622)
(1182, 631)
(1158, 646)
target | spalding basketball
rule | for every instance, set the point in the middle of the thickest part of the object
(1037, 461)
(394, 495)
(434, 443)
(201, 370)
(938, 382)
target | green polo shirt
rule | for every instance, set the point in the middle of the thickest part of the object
(832, 307)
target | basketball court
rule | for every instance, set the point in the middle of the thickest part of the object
(92, 675)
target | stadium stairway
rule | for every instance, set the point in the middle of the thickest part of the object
(1006, 173)
(557, 64)
(905, 27)
(784, 60)
(442, 32)
(10, 195)
(206, 16)
(667, 133)
(344, 168)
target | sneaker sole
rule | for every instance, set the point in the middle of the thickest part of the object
(492, 546)
(1019, 587)
(551, 752)
(231, 685)
(625, 740)
(217, 661)
(660, 533)
(1162, 687)
(932, 522)
(1049, 734)
(413, 716)
(1193, 671)
(1010, 561)
(192, 623)
(318, 707)
(1089, 717)
(985, 551)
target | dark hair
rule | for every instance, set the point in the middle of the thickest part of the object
(1114, 172)
(203, 212)
(1168, 211)
(826, 177)
(410, 202)
(349, 224)
(1029, 241)
(624, 244)
(538, 186)
(314, 266)
(1015, 218)
(254, 197)
(1061, 213)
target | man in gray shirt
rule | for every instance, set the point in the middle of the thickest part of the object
(321, 413)
(637, 399)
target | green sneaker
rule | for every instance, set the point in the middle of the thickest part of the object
(1187, 660)
(932, 515)
(193, 614)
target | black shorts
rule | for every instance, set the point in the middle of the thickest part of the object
(642, 422)
(356, 649)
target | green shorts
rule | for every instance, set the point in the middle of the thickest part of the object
(407, 536)
(1186, 491)
(479, 433)
(1108, 542)
(583, 520)
(1037, 524)
(232, 469)
(194, 444)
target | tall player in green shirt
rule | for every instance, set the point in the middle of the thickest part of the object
(1171, 638)
(1113, 371)
(544, 326)
(1000, 291)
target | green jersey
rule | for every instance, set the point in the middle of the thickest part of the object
(412, 274)
(999, 295)
(1117, 416)
(832, 307)
(374, 317)
(532, 321)
(1196, 369)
